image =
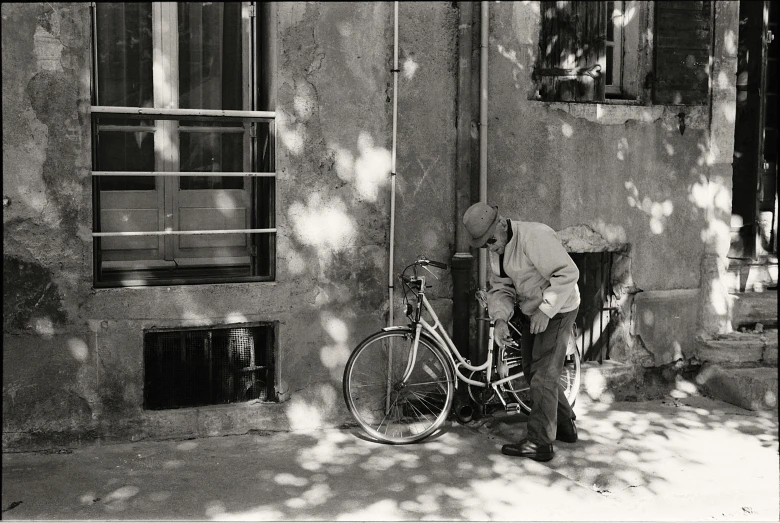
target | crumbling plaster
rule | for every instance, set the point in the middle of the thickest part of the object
(623, 170)
(73, 360)
(617, 178)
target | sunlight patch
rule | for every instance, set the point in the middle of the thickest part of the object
(302, 416)
(295, 263)
(336, 328)
(410, 67)
(292, 136)
(372, 167)
(78, 348)
(385, 510)
(657, 211)
(322, 224)
(215, 508)
(44, 326)
(290, 480)
(235, 317)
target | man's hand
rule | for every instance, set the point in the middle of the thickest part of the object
(501, 333)
(539, 322)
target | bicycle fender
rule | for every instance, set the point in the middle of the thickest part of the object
(396, 328)
(431, 341)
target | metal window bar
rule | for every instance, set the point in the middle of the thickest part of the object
(167, 233)
(181, 114)
(152, 128)
(187, 173)
(600, 303)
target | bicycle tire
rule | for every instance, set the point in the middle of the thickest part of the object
(571, 378)
(406, 413)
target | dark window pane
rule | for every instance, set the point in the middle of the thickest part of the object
(609, 65)
(610, 22)
(124, 54)
(771, 112)
(126, 151)
(211, 152)
(211, 72)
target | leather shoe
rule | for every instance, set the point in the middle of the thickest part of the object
(567, 432)
(529, 449)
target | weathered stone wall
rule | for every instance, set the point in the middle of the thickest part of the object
(608, 177)
(623, 171)
(73, 354)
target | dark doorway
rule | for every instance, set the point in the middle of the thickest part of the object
(595, 317)
(754, 204)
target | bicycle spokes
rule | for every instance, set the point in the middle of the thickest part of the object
(392, 408)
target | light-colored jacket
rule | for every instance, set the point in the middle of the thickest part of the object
(541, 274)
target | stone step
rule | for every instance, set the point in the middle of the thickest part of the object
(749, 308)
(739, 348)
(608, 381)
(750, 388)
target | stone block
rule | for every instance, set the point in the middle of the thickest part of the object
(609, 381)
(666, 321)
(750, 388)
(770, 349)
(173, 423)
(734, 348)
(750, 308)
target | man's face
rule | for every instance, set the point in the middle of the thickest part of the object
(498, 241)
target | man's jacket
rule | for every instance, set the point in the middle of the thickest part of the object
(537, 273)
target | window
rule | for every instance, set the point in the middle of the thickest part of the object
(195, 367)
(179, 91)
(590, 51)
(613, 56)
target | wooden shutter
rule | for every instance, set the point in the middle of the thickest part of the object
(683, 41)
(571, 57)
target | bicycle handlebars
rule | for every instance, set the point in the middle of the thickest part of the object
(422, 260)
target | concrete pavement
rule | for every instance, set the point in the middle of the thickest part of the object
(673, 459)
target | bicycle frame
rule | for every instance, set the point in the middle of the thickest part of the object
(439, 334)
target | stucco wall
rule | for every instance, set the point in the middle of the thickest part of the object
(625, 171)
(603, 175)
(73, 355)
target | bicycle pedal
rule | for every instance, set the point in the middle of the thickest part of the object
(512, 407)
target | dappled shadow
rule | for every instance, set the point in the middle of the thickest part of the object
(325, 475)
(648, 451)
(692, 458)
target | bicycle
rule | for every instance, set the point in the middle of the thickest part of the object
(399, 383)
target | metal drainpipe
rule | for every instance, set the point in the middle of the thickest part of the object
(390, 277)
(483, 132)
(463, 261)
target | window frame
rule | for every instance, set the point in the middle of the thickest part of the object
(634, 51)
(262, 267)
(615, 66)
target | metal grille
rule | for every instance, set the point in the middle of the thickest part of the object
(195, 367)
(595, 318)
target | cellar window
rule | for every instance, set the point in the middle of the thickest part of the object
(212, 366)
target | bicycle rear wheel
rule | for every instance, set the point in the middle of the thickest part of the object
(385, 407)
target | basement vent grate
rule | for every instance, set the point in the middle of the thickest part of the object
(196, 367)
(596, 318)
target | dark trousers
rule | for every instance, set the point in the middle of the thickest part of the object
(543, 357)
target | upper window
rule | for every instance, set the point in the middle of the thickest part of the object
(590, 51)
(177, 95)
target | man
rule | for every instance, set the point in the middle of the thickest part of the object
(530, 267)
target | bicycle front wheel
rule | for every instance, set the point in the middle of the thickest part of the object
(387, 408)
